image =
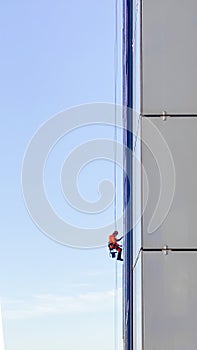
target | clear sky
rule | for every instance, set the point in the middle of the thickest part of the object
(54, 55)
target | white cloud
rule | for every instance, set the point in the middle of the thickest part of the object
(45, 304)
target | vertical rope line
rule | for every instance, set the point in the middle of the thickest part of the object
(135, 24)
(116, 307)
(115, 110)
(115, 171)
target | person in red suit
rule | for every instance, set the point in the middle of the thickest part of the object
(112, 244)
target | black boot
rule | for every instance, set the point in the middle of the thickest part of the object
(119, 256)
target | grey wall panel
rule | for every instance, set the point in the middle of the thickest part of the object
(170, 301)
(136, 56)
(169, 54)
(137, 305)
(136, 195)
(178, 230)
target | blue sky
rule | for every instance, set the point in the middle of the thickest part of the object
(54, 55)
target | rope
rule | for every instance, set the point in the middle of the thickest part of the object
(115, 172)
(135, 24)
(116, 307)
(137, 132)
(115, 111)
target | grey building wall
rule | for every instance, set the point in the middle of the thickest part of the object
(169, 49)
(163, 294)
(170, 301)
(178, 225)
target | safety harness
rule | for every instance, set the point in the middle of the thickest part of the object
(112, 250)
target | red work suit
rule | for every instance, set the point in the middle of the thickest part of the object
(113, 243)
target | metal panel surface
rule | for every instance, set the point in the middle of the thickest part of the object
(169, 49)
(170, 301)
(136, 196)
(136, 53)
(137, 304)
(177, 230)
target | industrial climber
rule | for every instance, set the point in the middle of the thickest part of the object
(112, 244)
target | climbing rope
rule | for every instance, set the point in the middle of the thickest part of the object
(115, 171)
(116, 307)
(115, 110)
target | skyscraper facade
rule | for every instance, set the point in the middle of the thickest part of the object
(160, 188)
